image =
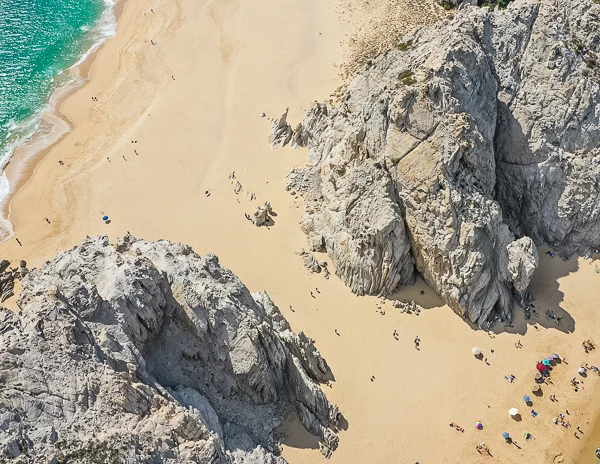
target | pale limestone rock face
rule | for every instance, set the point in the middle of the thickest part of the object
(148, 346)
(449, 152)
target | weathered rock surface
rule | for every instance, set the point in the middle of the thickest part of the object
(281, 131)
(147, 353)
(472, 133)
(262, 215)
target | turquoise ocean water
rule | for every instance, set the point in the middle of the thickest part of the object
(39, 41)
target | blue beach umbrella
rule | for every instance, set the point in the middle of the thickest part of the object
(545, 362)
(505, 435)
(105, 218)
(527, 399)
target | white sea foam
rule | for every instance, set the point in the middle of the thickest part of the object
(105, 29)
(23, 132)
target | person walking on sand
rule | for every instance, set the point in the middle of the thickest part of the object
(417, 342)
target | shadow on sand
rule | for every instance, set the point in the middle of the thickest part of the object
(420, 293)
(298, 437)
(547, 311)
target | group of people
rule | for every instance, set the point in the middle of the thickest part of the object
(482, 448)
(577, 384)
(457, 427)
(560, 420)
(552, 316)
(588, 346)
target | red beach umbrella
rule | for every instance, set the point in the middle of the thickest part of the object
(540, 367)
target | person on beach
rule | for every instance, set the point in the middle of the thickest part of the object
(417, 342)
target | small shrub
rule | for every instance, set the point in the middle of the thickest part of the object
(395, 161)
(406, 45)
(406, 77)
(405, 74)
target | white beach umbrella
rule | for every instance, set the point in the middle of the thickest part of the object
(513, 411)
(581, 370)
(476, 351)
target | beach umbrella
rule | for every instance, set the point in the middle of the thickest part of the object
(581, 370)
(540, 367)
(527, 399)
(479, 425)
(545, 362)
(554, 356)
(526, 435)
(513, 411)
(505, 435)
(476, 351)
(105, 218)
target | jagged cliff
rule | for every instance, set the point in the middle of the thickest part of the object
(146, 353)
(456, 152)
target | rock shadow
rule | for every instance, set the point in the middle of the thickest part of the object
(547, 311)
(342, 422)
(547, 297)
(296, 436)
(421, 293)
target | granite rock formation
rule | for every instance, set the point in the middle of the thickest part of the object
(146, 353)
(281, 131)
(457, 152)
(262, 215)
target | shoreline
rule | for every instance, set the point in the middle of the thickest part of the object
(27, 156)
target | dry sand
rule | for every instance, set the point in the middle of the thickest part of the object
(193, 103)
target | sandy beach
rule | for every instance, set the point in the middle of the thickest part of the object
(180, 93)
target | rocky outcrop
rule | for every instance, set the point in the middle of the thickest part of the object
(281, 131)
(146, 352)
(456, 150)
(262, 215)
